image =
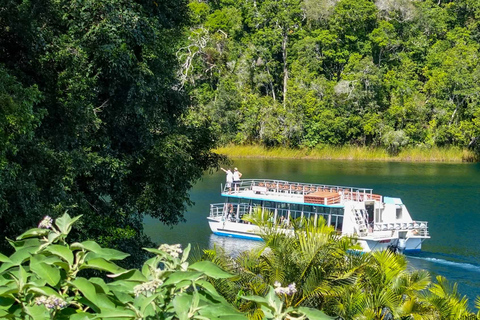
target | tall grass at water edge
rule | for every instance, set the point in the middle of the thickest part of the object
(434, 154)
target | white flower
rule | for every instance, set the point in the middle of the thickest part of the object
(46, 223)
(174, 250)
(52, 302)
(147, 287)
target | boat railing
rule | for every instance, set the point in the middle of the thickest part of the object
(216, 209)
(419, 228)
(281, 187)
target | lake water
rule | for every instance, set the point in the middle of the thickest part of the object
(446, 195)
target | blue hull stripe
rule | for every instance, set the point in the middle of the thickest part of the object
(232, 235)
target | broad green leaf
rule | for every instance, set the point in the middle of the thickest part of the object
(4, 313)
(186, 252)
(62, 252)
(108, 254)
(210, 269)
(6, 302)
(22, 255)
(4, 258)
(314, 314)
(117, 313)
(257, 299)
(22, 277)
(9, 288)
(37, 312)
(82, 316)
(182, 276)
(143, 302)
(46, 291)
(104, 302)
(100, 283)
(50, 273)
(35, 232)
(6, 265)
(64, 223)
(25, 243)
(181, 304)
(122, 296)
(123, 285)
(131, 275)
(209, 289)
(86, 288)
(103, 265)
(220, 311)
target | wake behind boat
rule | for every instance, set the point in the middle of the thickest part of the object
(377, 222)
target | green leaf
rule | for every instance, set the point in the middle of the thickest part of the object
(62, 252)
(314, 314)
(86, 288)
(46, 291)
(210, 269)
(257, 299)
(64, 223)
(50, 273)
(22, 255)
(122, 296)
(117, 313)
(8, 289)
(186, 252)
(103, 265)
(37, 312)
(181, 304)
(131, 275)
(100, 283)
(221, 311)
(92, 246)
(4, 258)
(35, 232)
(25, 243)
(182, 276)
(82, 316)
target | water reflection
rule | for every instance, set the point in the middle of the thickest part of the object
(233, 246)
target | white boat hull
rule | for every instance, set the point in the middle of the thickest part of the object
(221, 227)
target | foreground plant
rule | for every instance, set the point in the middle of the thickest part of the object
(43, 280)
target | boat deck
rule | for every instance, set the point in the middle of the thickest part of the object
(301, 193)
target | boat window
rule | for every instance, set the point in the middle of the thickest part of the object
(307, 208)
(378, 215)
(323, 210)
(336, 211)
(399, 212)
(339, 224)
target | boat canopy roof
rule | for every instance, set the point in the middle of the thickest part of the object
(281, 191)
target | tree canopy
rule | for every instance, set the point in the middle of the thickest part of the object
(94, 119)
(334, 72)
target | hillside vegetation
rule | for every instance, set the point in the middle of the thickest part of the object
(305, 73)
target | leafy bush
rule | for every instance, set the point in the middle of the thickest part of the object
(43, 279)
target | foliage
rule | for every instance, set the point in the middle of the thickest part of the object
(391, 74)
(311, 267)
(94, 119)
(43, 280)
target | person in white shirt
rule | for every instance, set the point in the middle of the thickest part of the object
(236, 178)
(230, 179)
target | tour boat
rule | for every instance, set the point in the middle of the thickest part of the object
(376, 222)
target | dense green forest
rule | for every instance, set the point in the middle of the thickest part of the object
(93, 119)
(383, 73)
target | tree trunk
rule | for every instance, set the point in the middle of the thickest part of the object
(285, 69)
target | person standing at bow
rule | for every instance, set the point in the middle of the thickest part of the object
(236, 179)
(229, 180)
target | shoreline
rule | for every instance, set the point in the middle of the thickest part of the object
(434, 154)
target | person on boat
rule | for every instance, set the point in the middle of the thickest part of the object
(229, 180)
(236, 178)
